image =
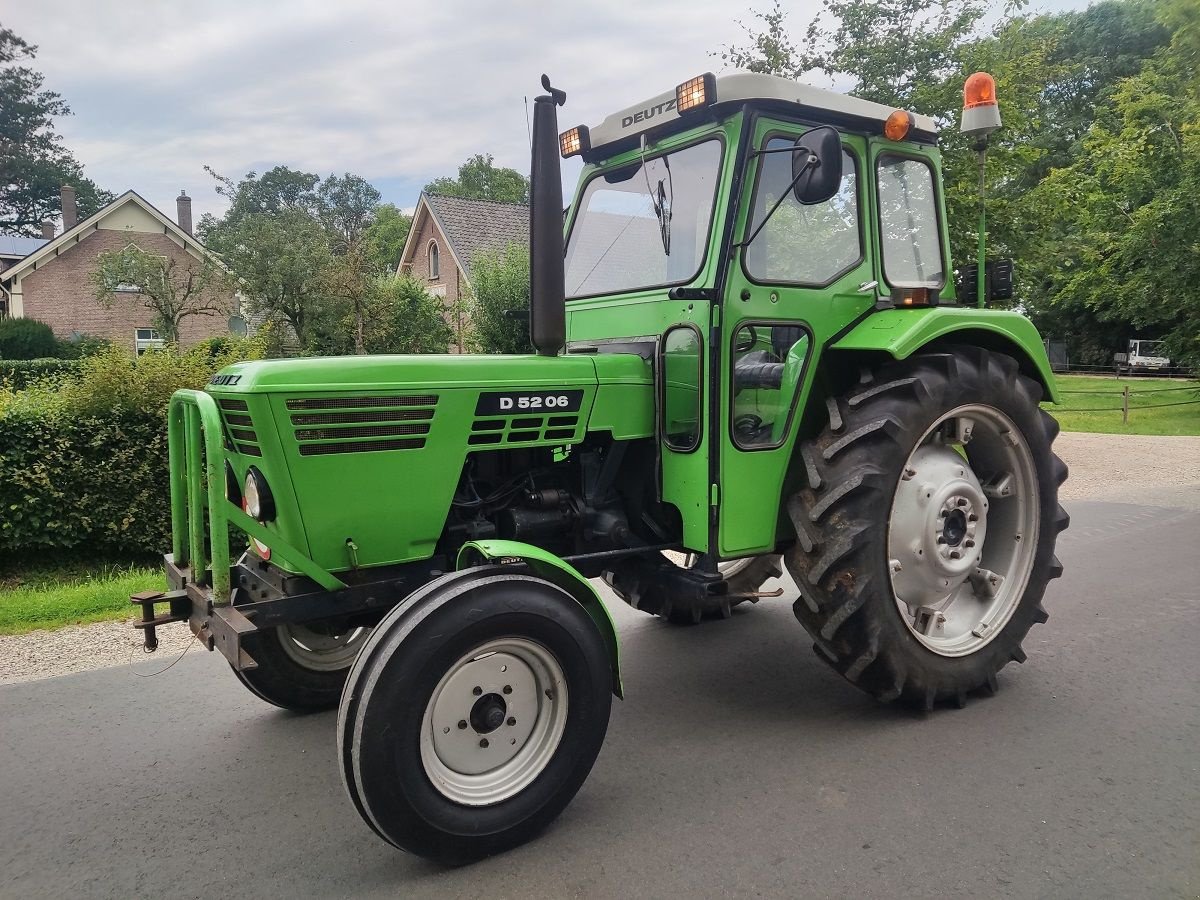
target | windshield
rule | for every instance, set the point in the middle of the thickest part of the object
(646, 225)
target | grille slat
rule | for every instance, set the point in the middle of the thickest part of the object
(360, 431)
(339, 418)
(362, 446)
(362, 402)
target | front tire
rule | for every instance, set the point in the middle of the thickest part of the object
(474, 714)
(926, 532)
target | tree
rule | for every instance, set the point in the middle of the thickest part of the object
(281, 260)
(500, 289)
(346, 206)
(479, 179)
(1126, 212)
(405, 318)
(34, 164)
(277, 191)
(171, 290)
(386, 237)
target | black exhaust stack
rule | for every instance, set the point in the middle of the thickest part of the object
(547, 277)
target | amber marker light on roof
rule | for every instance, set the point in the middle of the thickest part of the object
(696, 92)
(979, 90)
(898, 125)
(574, 141)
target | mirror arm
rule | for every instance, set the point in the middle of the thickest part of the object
(809, 163)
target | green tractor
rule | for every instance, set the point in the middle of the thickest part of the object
(750, 354)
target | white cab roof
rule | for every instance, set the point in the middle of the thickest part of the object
(743, 86)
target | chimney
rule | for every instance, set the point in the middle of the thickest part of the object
(183, 211)
(70, 211)
(47, 230)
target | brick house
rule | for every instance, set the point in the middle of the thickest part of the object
(52, 283)
(448, 234)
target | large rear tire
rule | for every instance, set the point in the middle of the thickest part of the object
(926, 531)
(302, 667)
(474, 714)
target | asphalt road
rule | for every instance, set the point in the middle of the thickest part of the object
(738, 765)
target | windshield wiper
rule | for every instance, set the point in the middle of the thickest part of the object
(661, 198)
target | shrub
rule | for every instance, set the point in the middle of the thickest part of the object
(27, 339)
(501, 285)
(21, 373)
(84, 463)
(83, 345)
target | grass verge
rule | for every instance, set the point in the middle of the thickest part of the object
(1101, 412)
(70, 593)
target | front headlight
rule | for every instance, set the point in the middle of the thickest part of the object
(257, 501)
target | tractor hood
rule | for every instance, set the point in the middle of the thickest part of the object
(403, 373)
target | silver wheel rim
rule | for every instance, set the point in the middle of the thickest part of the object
(963, 530)
(321, 649)
(728, 568)
(494, 721)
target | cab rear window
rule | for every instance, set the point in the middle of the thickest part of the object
(908, 223)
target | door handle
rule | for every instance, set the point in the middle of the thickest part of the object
(867, 286)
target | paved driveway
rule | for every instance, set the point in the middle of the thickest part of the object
(738, 765)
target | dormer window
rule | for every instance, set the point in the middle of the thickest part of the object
(435, 262)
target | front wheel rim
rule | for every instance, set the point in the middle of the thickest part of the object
(322, 649)
(963, 530)
(494, 721)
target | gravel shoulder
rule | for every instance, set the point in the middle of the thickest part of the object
(1147, 470)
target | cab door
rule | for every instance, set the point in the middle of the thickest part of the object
(797, 277)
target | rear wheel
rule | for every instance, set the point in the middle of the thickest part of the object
(302, 667)
(926, 533)
(649, 585)
(474, 714)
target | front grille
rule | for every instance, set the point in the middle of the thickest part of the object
(359, 422)
(240, 436)
(525, 429)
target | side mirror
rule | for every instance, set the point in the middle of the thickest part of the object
(817, 165)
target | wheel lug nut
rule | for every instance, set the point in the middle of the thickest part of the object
(483, 742)
(512, 721)
(477, 690)
(969, 544)
(972, 518)
(462, 723)
(508, 689)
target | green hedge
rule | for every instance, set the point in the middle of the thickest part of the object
(19, 373)
(83, 460)
(27, 339)
(92, 481)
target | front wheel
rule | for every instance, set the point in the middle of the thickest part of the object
(926, 532)
(302, 667)
(474, 714)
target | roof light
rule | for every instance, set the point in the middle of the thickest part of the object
(981, 114)
(898, 125)
(980, 90)
(696, 93)
(574, 141)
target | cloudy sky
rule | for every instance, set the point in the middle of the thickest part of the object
(399, 93)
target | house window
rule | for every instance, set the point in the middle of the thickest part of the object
(125, 288)
(435, 262)
(147, 339)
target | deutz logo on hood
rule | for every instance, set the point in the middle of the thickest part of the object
(645, 115)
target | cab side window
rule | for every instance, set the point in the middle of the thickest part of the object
(908, 223)
(809, 245)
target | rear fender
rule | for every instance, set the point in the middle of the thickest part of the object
(559, 573)
(903, 332)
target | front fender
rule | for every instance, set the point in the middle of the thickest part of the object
(902, 332)
(560, 574)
